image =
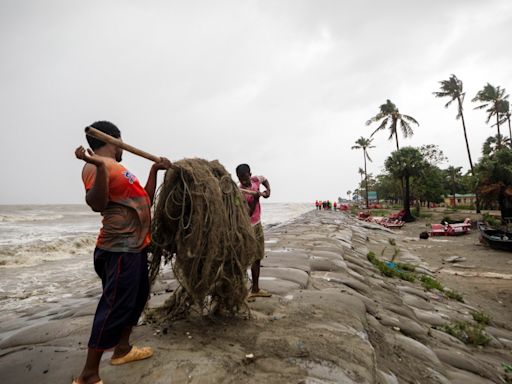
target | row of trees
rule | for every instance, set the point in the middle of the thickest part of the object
(490, 178)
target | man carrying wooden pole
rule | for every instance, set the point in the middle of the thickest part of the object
(120, 257)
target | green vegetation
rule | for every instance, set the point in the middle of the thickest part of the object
(405, 271)
(365, 144)
(430, 283)
(491, 220)
(389, 271)
(415, 172)
(453, 88)
(481, 317)
(453, 294)
(468, 333)
(404, 164)
(390, 118)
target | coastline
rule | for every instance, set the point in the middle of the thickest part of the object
(332, 318)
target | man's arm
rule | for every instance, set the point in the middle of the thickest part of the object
(266, 193)
(97, 196)
(150, 187)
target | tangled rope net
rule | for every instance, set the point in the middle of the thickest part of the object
(201, 225)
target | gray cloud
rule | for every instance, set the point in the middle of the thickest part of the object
(285, 86)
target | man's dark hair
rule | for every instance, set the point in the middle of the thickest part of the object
(105, 127)
(242, 169)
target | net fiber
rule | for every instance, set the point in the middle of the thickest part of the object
(202, 226)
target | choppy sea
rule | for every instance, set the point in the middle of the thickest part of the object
(46, 253)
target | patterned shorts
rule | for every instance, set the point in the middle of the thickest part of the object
(260, 240)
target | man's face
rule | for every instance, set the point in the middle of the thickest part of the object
(245, 179)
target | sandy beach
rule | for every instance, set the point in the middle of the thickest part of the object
(333, 317)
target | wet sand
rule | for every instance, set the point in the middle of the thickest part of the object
(333, 318)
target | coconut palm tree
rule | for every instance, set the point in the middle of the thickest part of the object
(361, 172)
(491, 98)
(390, 118)
(364, 144)
(494, 143)
(504, 109)
(453, 88)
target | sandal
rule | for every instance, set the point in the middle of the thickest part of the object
(135, 354)
(260, 293)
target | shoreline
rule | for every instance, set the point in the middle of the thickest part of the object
(332, 318)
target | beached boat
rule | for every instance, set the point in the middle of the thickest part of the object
(497, 239)
(449, 229)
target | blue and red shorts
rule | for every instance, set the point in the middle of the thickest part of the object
(124, 276)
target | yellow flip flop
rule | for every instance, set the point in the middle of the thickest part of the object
(135, 354)
(261, 293)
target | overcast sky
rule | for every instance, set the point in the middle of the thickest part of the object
(285, 86)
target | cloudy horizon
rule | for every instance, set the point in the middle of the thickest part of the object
(285, 86)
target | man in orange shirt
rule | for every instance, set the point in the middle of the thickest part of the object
(120, 257)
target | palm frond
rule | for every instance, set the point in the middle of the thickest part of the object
(381, 126)
(448, 103)
(406, 128)
(410, 119)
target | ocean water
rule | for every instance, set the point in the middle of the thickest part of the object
(46, 254)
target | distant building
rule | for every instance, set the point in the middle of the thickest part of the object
(466, 199)
(372, 197)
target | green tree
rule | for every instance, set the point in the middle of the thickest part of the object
(388, 187)
(404, 164)
(491, 98)
(505, 117)
(453, 88)
(495, 178)
(361, 172)
(452, 179)
(428, 185)
(364, 144)
(390, 117)
(494, 143)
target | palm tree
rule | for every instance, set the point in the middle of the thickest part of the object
(453, 89)
(361, 172)
(491, 98)
(364, 144)
(505, 116)
(391, 117)
(404, 164)
(494, 143)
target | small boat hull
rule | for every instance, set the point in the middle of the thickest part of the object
(496, 238)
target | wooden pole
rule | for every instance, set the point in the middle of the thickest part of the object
(249, 192)
(112, 140)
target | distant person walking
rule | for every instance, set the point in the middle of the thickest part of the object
(120, 257)
(252, 185)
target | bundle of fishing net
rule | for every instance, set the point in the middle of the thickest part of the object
(201, 225)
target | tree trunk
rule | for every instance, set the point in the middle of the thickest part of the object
(509, 131)
(408, 217)
(365, 179)
(477, 200)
